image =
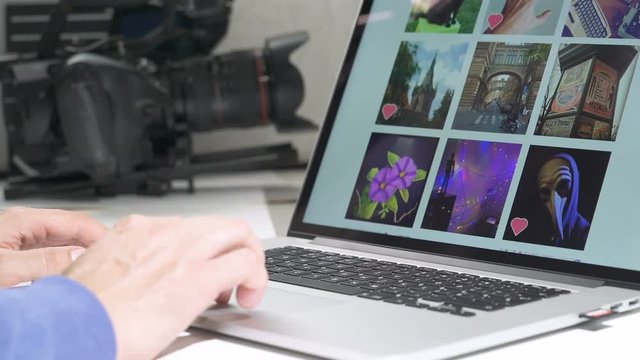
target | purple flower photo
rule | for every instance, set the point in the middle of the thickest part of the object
(407, 171)
(392, 179)
(383, 185)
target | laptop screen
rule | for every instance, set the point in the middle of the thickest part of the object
(509, 126)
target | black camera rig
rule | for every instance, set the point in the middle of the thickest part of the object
(116, 115)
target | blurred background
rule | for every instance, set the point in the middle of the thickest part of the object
(329, 24)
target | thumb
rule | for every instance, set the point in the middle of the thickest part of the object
(29, 265)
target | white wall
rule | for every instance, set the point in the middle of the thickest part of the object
(329, 23)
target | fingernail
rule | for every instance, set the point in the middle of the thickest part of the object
(75, 254)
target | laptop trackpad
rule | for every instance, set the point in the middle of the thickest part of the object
(283, 302)
(280, 302)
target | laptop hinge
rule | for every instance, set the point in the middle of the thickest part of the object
(624, 285)
(458, 262)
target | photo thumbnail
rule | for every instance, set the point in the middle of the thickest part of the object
(603, 19)
(443, 16)
(523, 17)
(502, 87)
(557, 197)
(422, 84)
(392, 179)
(471, 187)
(588, 91)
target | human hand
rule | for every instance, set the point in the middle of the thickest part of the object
(155, 276)
(35, 243)
(519, 17)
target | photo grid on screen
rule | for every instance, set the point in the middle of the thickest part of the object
(498, 119)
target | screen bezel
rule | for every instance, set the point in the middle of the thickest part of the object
(298, 228)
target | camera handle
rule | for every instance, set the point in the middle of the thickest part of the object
(83, 107)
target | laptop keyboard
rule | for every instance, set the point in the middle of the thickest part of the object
(591, 21)
(402, 284)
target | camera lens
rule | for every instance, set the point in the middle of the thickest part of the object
(242, 89)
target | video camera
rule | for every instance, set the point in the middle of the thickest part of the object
(116, 116)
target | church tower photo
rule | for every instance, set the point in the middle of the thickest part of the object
(422, 84)
(423, 95)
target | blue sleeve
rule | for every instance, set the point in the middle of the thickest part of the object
(55, 318)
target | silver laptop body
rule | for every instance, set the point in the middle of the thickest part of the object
(599, 273)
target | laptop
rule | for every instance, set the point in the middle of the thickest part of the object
(604, 19)
(586, 18)
(426, 228)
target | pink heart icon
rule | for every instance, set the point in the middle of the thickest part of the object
(518, 225)
(495, 20)
(388, 110)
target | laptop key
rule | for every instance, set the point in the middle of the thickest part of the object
(393, 276)
(314, 284)
(433, 282)
(375, 295)
(381, 281)
(400, 300)
(345, 274)
(376, 273)
(313, 255)
(332, 258)
(386, 267)
(368, 264)
(358, 269)
(272, 261)
(403, 272)
(349, 261)
(474, 304)
(393, 290)
(407, 284)
(306, 267)
(424, 288)
(340, 266)
(373, 286)
(278, 269)
(363, 277)
(320, 263)
(315, 276)
(284, 257)
(297, 272)
(326, 271)
(290, 263)
(556, 292)
(355, 283)
(446, 291)
(434, 297)
(335, 279)
(305, 260)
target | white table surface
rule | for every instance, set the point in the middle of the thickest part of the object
(266, 201)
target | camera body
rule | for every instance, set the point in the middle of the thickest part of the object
(117, 116)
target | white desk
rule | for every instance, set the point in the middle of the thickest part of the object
(610, 339)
